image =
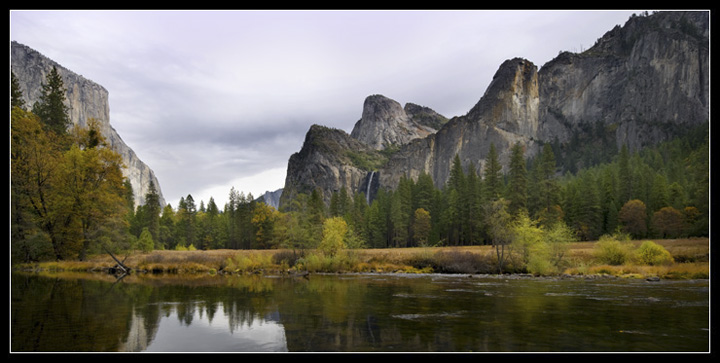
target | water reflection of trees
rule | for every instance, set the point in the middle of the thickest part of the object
(326, 313)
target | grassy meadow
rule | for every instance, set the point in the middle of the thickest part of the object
(690, 260)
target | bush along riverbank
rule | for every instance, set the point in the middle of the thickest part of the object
(608, 257)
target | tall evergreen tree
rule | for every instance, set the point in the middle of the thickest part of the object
(625, 189)
(51, 107)
(518, 180)
(608, 197)
(152, 211)
(377, 221)
(315, 215)
(16, 99)
(167, 228)
(493, 181)
(472, 208)
(424, 192)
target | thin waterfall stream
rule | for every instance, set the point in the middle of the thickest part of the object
(367, 193)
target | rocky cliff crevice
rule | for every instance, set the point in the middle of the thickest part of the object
(85, 100)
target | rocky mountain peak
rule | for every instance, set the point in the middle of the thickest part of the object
(385, 123)
(511, 100)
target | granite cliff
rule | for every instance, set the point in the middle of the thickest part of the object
(385, 123)
(85, 100)
(640, 84)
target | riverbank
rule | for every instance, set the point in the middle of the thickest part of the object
(690, 261)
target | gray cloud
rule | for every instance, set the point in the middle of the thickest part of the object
(208, 99)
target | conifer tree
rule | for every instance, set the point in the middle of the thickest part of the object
(16, 99)
(51, 107)
(544, 199)
(625, 189)
(517, 191)
(492, 182)
(472, 207)
(424, 192)
(316, 215)
(167, 227)
(406, 212)
(152, 211)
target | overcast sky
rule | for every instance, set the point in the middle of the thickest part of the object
(217, 99)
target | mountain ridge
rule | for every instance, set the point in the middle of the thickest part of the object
(645, 82)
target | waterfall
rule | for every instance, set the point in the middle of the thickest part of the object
(367, 193)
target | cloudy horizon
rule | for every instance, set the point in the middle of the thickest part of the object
(212, 100)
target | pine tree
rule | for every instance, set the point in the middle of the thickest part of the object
(16, 99)
(421, 227)
(406, 212)
(625, 189)
(472, 207)
(608, 196)
(152, 211)
(51, 107)
(316, 215)
(493, 182)
(424, 192)
(457, 175)
(549, 185)
(590, 214)
(518, 182)
(545, 196)
(167, 227)
(659, 196)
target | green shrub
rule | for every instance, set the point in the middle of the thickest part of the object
(320, 262)
(610, 251)
(247, 263)
(540, 261)
(651, 253)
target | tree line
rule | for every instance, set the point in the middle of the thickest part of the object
(69, 199)
(659, 192)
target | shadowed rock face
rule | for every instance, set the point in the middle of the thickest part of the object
(85, 100)
(645, 82)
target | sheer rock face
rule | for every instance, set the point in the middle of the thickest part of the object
(85, 100)
(647, 81)
(385, 123)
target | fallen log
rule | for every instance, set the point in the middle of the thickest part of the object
(125, 269)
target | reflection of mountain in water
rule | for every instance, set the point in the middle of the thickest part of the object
(197, 330)
(327, 313)
(140, 334)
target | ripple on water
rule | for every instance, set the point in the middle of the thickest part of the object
(428, 316)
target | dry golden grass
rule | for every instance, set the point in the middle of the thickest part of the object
(691, 260)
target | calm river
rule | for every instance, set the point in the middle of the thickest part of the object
(357, 313)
